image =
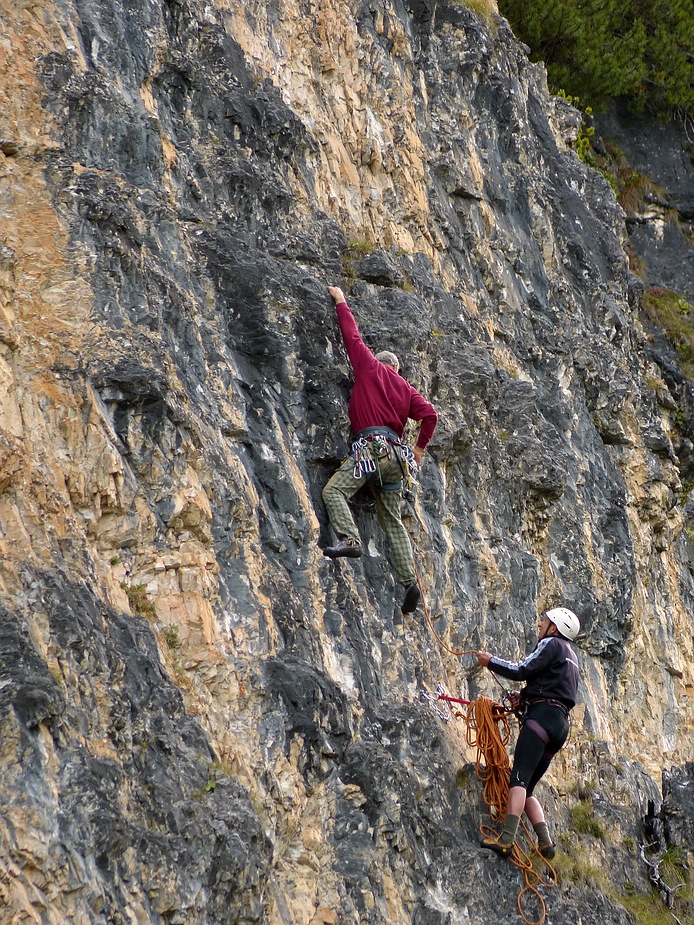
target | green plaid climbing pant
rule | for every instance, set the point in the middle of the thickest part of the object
(389, 472)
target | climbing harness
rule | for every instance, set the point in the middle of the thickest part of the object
(376, 443)
(549, 700)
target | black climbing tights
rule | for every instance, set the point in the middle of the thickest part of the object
(542, 735)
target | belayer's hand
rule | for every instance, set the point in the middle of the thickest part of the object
(483, 658)
(337, 294)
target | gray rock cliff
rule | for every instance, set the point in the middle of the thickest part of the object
(202, 719)
(661, 229)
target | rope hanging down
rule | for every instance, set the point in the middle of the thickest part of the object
(441, 641)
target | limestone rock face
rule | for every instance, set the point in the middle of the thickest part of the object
(203, 719)
(660, 231)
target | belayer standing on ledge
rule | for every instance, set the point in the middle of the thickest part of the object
(551, 671)
(379, 407)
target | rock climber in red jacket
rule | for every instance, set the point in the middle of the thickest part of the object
(380, 406)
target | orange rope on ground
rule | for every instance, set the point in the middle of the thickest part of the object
(488, 731)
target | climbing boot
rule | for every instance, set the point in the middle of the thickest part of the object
(545, 845)
(503, 845)
(411, 599)
(504, 850)
(344, 547)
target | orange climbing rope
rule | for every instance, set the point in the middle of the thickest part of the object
(441, 641)
(489, 731)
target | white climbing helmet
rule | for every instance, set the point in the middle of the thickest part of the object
(565, 621)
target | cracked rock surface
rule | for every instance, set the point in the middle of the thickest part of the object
(203, 720)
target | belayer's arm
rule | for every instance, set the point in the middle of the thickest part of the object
(530, 667)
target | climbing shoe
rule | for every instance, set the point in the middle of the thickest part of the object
(411, 599)
(504, 850)
(545, 845)
(348, 548)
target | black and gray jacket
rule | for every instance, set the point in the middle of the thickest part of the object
(551, 671)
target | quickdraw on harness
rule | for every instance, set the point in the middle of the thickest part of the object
(364, 465)
(371, 445)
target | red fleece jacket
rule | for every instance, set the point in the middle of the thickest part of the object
(380, 396)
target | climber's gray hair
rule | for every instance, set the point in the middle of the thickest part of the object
(385, 356)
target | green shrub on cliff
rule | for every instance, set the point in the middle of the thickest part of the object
(676, 316)
(603, 49)
(584, 821)
(139, 601)
(635, 191)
